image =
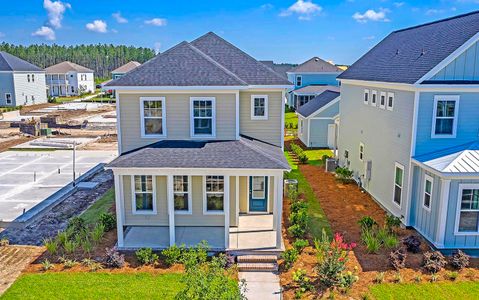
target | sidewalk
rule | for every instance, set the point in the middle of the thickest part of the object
(261, 285)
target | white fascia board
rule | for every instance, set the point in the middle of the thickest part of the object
(187, 88)
(321, 73)
(196, 172)
(446, 175)
(414, 87)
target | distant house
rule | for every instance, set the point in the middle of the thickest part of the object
(411, 131)
(69, 79)
(21, 83)
(122, 70)
(314, 72)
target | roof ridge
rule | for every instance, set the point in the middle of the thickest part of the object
(6, 60)
(210, 59)
(438, 21)
(258, 150)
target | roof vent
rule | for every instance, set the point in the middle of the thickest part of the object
(316, 59)
(397, 51)
(423, 52)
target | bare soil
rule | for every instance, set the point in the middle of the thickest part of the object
(17, 140)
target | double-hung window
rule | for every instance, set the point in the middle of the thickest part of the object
(445, 116)
(33, 77)
(427, 194)
(390, 104)
(361, 151)
(182, 199)
(215, 194)
(382, 100)
(28, 77)
(374, 98)
(468, 215)
(203, 117)
(8, 98)
(366, 97)
(398, 183)
(153, 117)
(143, 194)
(259, 107)
(299, 80)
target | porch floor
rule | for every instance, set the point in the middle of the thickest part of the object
(254, 232)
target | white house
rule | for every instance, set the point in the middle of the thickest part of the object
(69, 79)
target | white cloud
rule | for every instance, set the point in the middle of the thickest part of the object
(119, 18)
(156, 22)
(97, 26)
(371, 15)
(55, 10)
(157, 47)
(304, 9)
(45, 32)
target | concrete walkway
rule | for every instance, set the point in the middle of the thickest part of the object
(261, 285)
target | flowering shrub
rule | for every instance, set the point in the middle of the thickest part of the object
(332, 257)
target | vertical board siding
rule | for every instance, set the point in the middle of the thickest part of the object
(464, 67)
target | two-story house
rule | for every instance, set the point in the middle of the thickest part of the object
(200, 133)
(310, 79)
(410, 128)
(21, 83)
(69, 79)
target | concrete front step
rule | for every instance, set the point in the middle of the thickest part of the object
(257, 259)
(258, 267)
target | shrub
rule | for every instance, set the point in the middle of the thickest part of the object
(62, 237)
(195, 255)
(434, 261)
(390, 241)
(108, 220)
(146, 256)
(303, 282)
(51, 245)
(379, 277)
(300, 217)
(4, 242)
(47, 265)
(296, 230)
(173, 254)
(98, 232)
(76, 225)
(367, 223)
(300, 244)
(369, 238)
(397, 258)
(452, 275)
(113, 258)
(303, 158)
(392, 223)
(70, 246)
(290, 256)
(459, 260)
(412, 243)
(298, 205)
(344, 174)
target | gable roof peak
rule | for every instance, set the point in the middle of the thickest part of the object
(315, 64)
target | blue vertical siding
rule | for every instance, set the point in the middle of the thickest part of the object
(465, 67)
(6, 86)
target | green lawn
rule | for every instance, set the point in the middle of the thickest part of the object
(95, 286)
(102, 205)
(291, 117)
(314, 156)
(436, 291)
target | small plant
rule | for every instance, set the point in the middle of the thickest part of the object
(4, 242)
(70, 246)
(62, 237)
(173, 254)
(69, 263)
(292, 194)
(379, 277)
(390, 241)
(98, 232)
(296, 230)
(397, 258)
(146, 256)
(397, 278)
(434, 277)
(459, 260)
(114, 259)
(367, 223)
(392, 223)
(47, 265)
(87, 246)
(290, 256)
(371, 241)
(453, 275)
(418, 278)
(108, 220)
(76, 225)
(300, 218)
(51, 245)
(303, 282)
(92, 264)
(344, 174)
(303, 158)
(300, 244)
(347, 280)
(434, 261)
(412, 243)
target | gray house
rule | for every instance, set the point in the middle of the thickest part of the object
(200, 148)
(21, 83)
(411, 135)
(122, 70)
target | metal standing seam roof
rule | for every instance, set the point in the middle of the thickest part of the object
(406, 55)
(461, 159)
(315, 65)
(10, 62)
(237, 154)
(126, 67)
(65, 67)
(317, 102)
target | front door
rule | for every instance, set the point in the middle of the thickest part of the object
(258, 194)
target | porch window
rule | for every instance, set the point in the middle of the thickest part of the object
(181, 194)
(259, 107)
(215, 193)
(427, 196)
(203, 117)
(445, 116)
(374, 98)
(144, 199)
(469, 213)
(153, 115)
(398, 183)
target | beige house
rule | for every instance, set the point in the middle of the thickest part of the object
(200, 132)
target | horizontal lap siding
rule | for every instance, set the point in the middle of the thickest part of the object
(35, 88)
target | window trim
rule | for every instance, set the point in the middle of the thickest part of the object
(266, 115)
(142, 117)
(382, 106)
(300, 80)
(6, 100)
(427, 178)
(438, 98)
(192, 118)
(467, 186)
(374, 95)
(390, 95)
(205, 207)
(133, 196)
(398, 165)
(190, 202)
(366, 97)
(361, 153)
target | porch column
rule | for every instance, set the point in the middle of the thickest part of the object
(278, 207)
(171, 209)
(442, 212)
(237, 200)
(226, 209)
(119, 210)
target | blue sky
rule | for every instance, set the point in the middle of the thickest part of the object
(283, 31)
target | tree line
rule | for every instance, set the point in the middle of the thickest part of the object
(101, 58)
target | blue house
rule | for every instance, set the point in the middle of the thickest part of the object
(310, 79)
(411, 134)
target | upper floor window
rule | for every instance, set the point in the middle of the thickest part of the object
(468, 215)
(390, 105)
(299, 80)
(361, 151)
(259, 107)
(182, 199)
(445, 116)
(427, 195)
(8, 98)
(153, 116)
(398, 183)
(203, 117)
(28, 77)
(366, 96)
(382, 100)
(374, 98)
(33, 77)
(143, 194)
(215, 194)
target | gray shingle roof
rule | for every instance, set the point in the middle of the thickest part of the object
(281, 68)
(10, 62)
(67, 66)
(127, 67)
(239, 154)
(315, 64)
(405, 56)
(317, 102)
(207, 61)
(315, 89)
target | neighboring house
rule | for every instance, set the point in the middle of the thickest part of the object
(200, 148)
(411, 131)
(318, 120)
(21, 83)
(310, 79)
(281, 68)
(122, 70)
(69, 79)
